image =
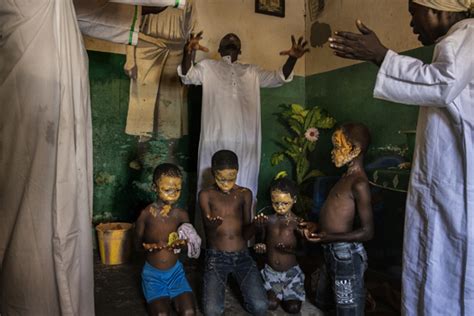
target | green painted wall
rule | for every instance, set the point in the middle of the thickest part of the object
(123, 168)
(347, 94)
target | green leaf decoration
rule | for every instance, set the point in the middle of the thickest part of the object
(298, 118)
(277, 158)
(311, 146)
(312, 174)
(297, 108)
(281, 174)
(296, 148)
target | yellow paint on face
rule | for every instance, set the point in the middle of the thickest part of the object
(343, 152)
(225, 179)
(169, 190)
(282, 202)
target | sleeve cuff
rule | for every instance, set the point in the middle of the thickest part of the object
(382, 74)
(282, 76)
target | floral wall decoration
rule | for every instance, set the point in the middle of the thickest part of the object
(303, 125)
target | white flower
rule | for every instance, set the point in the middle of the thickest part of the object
(312, 134)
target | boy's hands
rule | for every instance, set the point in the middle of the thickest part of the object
(309, 231)
(260, 220)
(177, 244)
(284, 248)
(315, 237)
(307, 226)
(214, 221)
(150, 247)
(297, 50)
(193, 43)
(260, 248)
(155, 247)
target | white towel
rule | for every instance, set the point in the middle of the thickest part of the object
(187, 231)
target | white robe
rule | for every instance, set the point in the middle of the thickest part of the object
(230, 116)
(46, 265)
(438, 255)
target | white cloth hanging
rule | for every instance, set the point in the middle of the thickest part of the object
(46, 265)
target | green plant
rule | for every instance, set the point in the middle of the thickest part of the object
(304, 125)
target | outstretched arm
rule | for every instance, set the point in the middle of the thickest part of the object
(189, 53)
(296, 51)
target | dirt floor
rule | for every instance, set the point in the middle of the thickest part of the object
(118, 290)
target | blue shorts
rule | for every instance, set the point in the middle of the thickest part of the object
(158, 283)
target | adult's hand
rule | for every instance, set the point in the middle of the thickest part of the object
(365, 46)
(193, 43)
(297, 49)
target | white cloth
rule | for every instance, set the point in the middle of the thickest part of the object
(187, 231)
(157, 97)
(438, 258)
(46, 264)
(116, 21)
(230, 116)
(446, 5)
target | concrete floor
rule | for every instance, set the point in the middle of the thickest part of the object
(118, 290)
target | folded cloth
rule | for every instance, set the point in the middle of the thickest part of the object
(187, 231)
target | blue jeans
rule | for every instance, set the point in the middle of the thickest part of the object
(341, 280)
(219, 264)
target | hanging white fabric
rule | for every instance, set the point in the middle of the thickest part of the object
(46, 264)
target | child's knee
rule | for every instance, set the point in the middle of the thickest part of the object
(259, 307)
(292, 307)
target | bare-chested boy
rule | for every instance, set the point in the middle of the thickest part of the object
(283, 278)
(163, 277)
(342, 277)
(226, 211)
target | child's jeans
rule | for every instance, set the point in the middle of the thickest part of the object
(219, 264)
(341, 279)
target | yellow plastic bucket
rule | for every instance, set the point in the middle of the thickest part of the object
(115, 242)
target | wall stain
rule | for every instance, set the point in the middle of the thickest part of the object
(320, 33)
(50, 132)
(104, 178)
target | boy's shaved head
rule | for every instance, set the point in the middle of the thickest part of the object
(224, 159)
(358, 134)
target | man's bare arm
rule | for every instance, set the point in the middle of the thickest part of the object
(189, 52)
(296, 51)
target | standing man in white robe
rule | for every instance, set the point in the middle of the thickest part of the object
(230, 116)
(438, 255)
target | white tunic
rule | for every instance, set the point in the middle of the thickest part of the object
(46, 264)
(438, 259)
(230, 116)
